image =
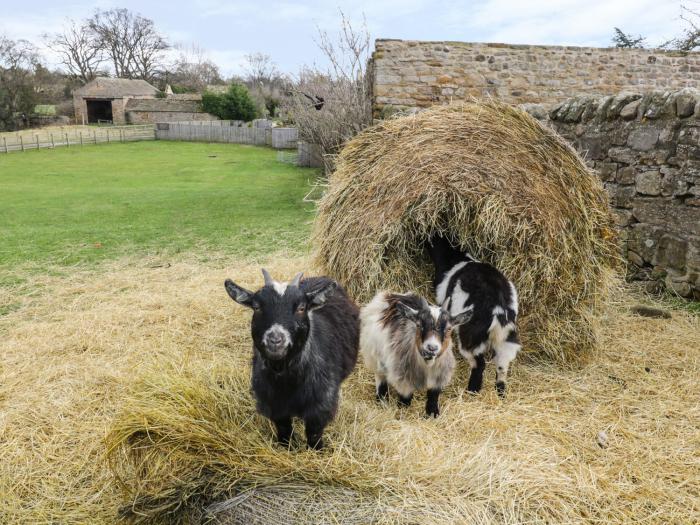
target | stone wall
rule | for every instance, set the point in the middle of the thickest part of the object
(420, 74)
(646, 149)
(151, 117)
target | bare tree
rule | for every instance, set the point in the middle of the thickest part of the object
(18, 61)
(260, 69)
(79, 49)
(132, 43)
(193, 70)
(332, 105)
(689, 39)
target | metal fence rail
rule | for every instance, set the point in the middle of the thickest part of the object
(78, 136)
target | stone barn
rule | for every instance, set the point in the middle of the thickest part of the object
(105, 99)
(125, 101)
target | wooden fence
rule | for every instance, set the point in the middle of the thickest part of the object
(219, 131)
(78, 136)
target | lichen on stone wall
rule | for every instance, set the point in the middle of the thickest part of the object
(646, 150)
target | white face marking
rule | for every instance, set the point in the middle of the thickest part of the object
(441, 290)
(432, 340)
(278, 329)
(280, 288)
(498, 310)
(435, 312)
(513, 298)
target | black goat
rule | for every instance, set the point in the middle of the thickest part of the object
(493, 300)
(305, 342)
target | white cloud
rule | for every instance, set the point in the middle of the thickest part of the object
(230, 61)
(565, 22)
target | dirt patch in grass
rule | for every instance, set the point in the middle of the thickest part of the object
(157, 358)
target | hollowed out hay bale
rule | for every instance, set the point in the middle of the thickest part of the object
(501, 186)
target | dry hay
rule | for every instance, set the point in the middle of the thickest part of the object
(156, 360)
(502, 186)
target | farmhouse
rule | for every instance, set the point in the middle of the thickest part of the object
(127, 101)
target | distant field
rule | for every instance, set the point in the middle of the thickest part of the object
(82, 205)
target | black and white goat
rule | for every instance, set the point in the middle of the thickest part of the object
(305, 341)
(407, 343)
(481, 289)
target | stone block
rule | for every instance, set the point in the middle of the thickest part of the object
(643, 240)
(621, 196)
(623, 155)
(689, 135)
(592, 146)
(635, 258)
(643, 139)
(671, 252)
(685, 105)
(648, 183)
(667, 213)
(606, 170)
(622, 218)
(626, 175)
(629, 111)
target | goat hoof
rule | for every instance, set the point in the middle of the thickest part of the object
(501, 389)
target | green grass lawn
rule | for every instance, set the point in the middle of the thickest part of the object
(83, 205)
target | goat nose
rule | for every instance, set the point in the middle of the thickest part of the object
(275, 338)
(432, 348)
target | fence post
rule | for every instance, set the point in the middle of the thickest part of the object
(67, 143)
(37, 141)
(94, 136)
(121, 135)
(21, 142)
(52, 142)
(4, 141)
(81, 138)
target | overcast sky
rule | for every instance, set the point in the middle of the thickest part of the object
(228, 29)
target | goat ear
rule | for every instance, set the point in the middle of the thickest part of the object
(406, 311)
(462, 317)
(317, 298)
(238, 294)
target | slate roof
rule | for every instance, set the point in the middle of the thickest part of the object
(115, 88)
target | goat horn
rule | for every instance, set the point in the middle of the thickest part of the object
(268, 278)
(446, 303)
(296, 280)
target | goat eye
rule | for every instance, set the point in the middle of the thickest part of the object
(301, 308)
(256, 307)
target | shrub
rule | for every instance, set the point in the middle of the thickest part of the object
(234, 104)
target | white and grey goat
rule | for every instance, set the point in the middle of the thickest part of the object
(407, 343)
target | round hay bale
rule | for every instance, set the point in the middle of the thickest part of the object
(501, 186)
